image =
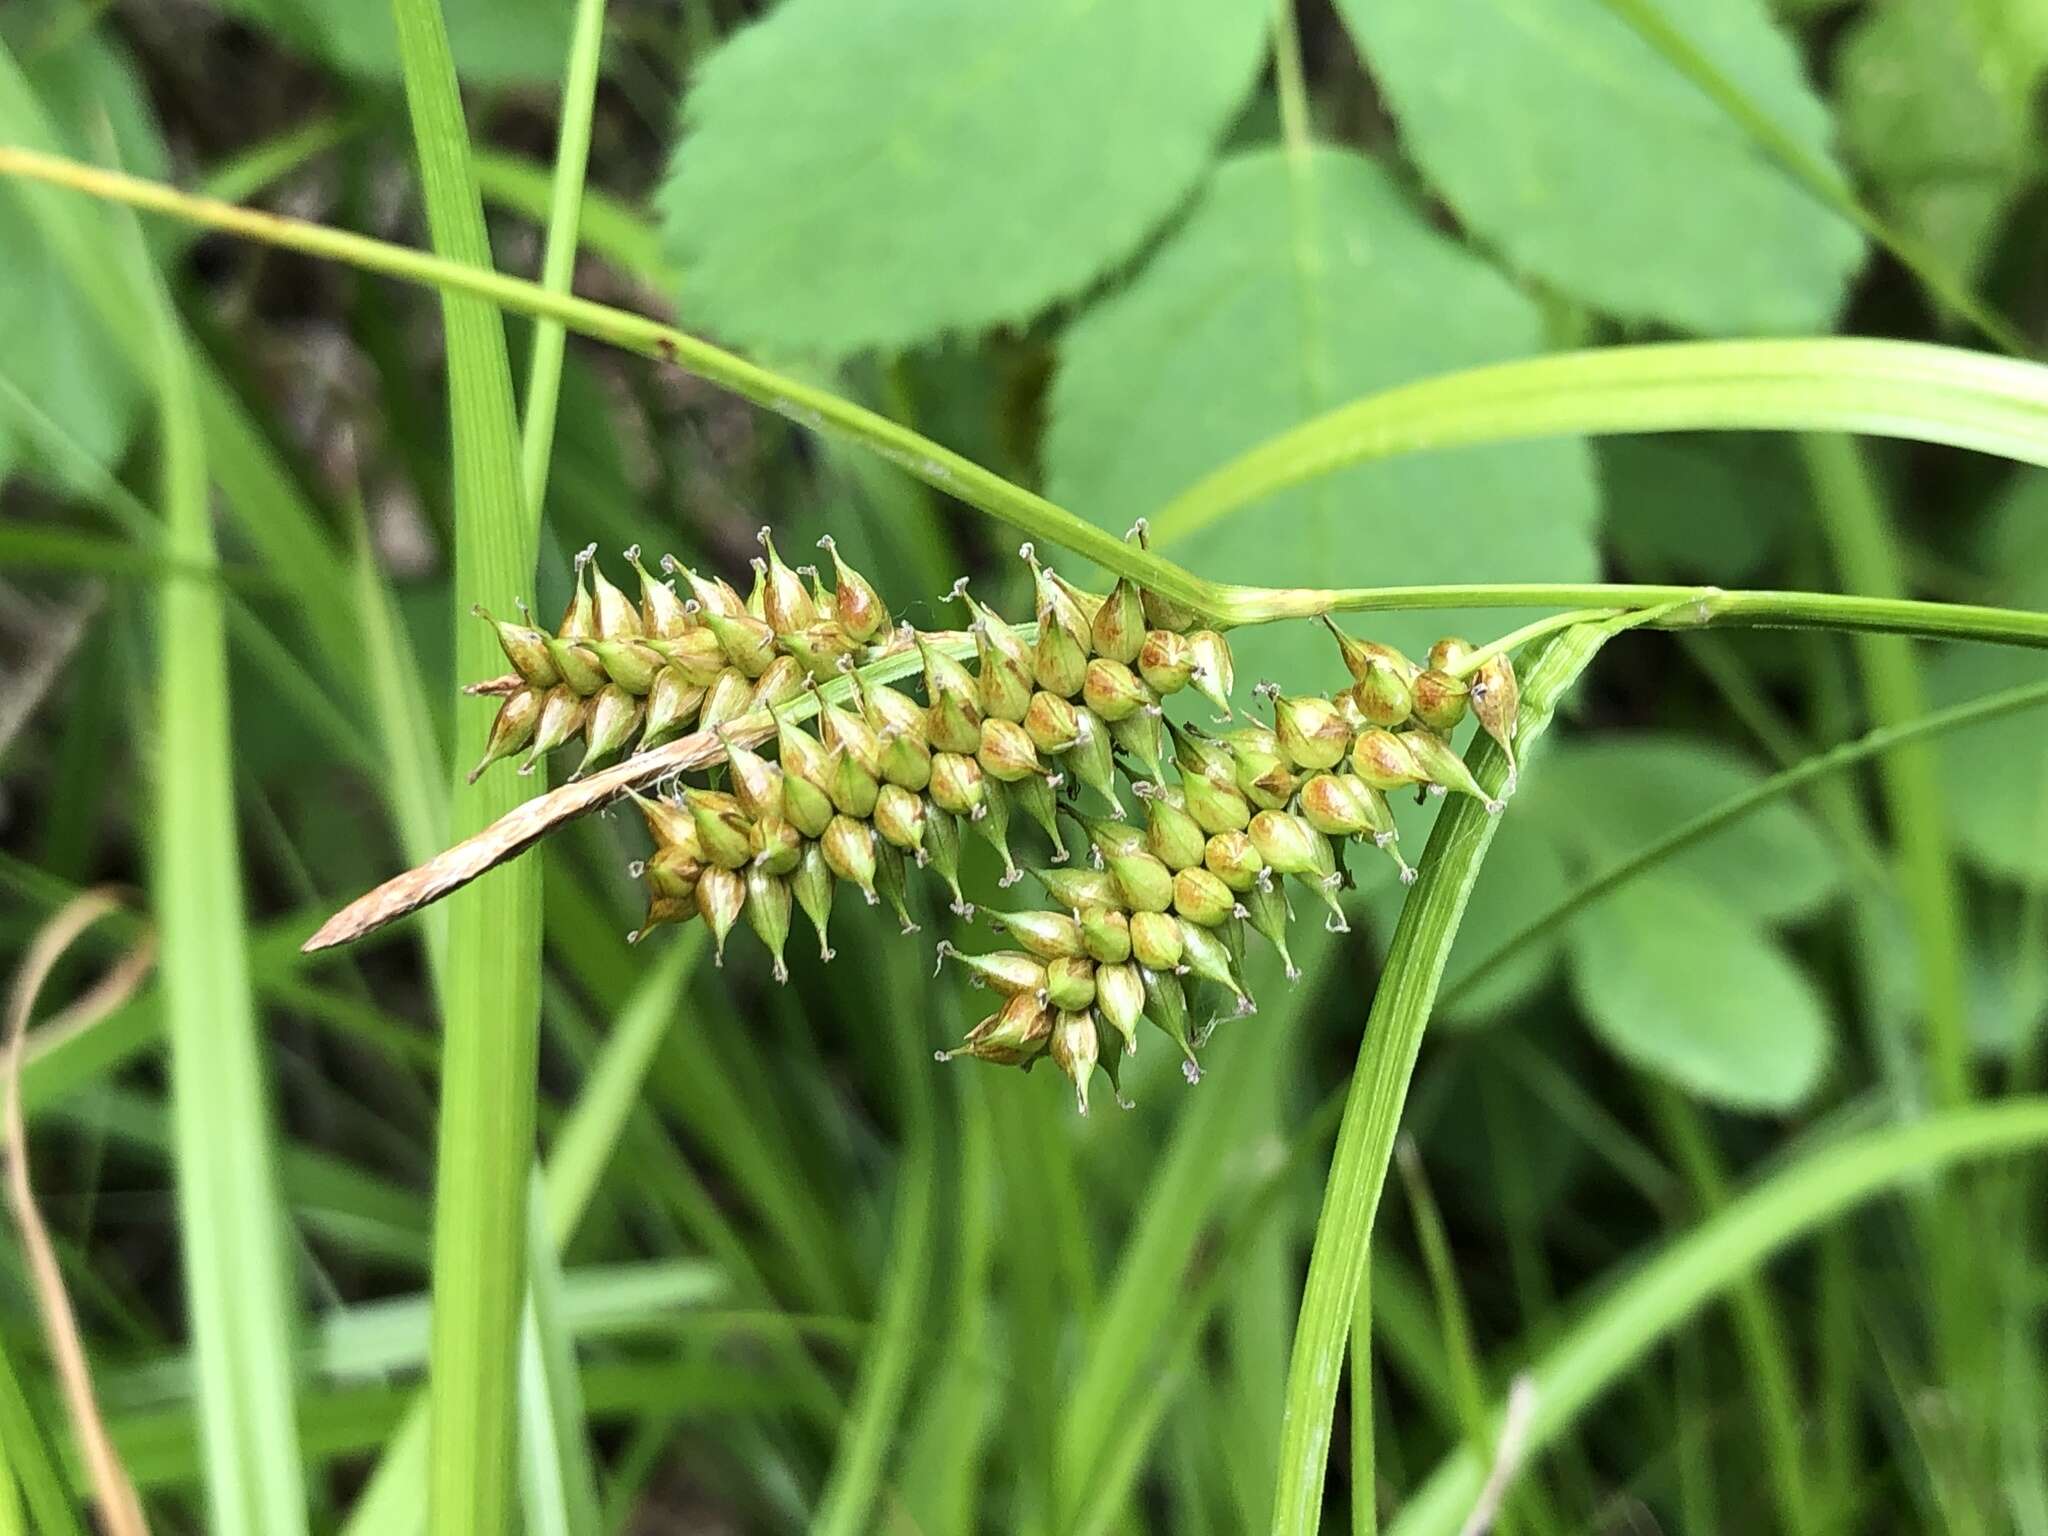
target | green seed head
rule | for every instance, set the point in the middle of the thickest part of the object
(905, 761)
(1105, 934)
(1155, 940)
(669, 823)
(849, 848)
(1338, 805)
(778, 846)
(1113, 690)
(1267, 911)
(1051, 723)
(1006, 752)
(617, 615)
(1449, 651)
(1362, 656)
(721, 893)
(900, 818)
(756, 782)
(711, 595)
(577, 665)
(785, 602)
(579, 619)
(1060, 662)
(1384, 760)
(1311, 731)
(673, 873)
(696, 654)
(1497, 703)
(1033, 796)
(888, 709)
(1118, 628)
(527, 649)
(855, 603)
(1145, 884)
(1287, 843)
(1440, 700)
(1202, 898)
(819, 651)
(662, 910)
(1076, 889)
(1215, 673)
(562, 714)
(854, 789)
(893, 881)
(767, 910)
(1070, 982)
(1206, 955)
(672, 705)
(1385, 695)
(1172, 835)
(730, 697)
(1113, 839)
(1216, 804)
(1166, 661)
(628, 663)
(1231, 858)
(1010, 972)
(748, 642)
(1023, 1024)
(942, 846)
(1048, 935)
(614, 721)
(511, 729)
(1075, 1051)
(1003, 681)
(1092, 758)
(1143, 736)
(662, 614)
(994, 826)
(958, 785)
(724, 830)
(1440, 765)
(812, 885)
(1120, 1000)
(1166, 1005)
(783, 681)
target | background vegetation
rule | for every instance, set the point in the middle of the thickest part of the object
(780, 1270)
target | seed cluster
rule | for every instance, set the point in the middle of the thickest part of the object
(1043, 725)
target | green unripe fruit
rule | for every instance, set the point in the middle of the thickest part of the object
(1231, 858)
(785, 601)
(849, 848)
(1384, 760)
(1145, 884)
(855, 604)
(1075, 1051)
(1005, 752)
(1113, 690)
(1113, 838)
(1120, 1000)
(812, 885)
(768, 907)
(1384, 696)
(511, 729)
(1061, 659)
(662, 614)
(673, 873)
(1004, 684)
(1166, 1005)
(526, 648)
(957, 785)
(1216, 804)
(1440, 700)
(1449, 652)
(900, 817)
(853, 787)
(1105, 934)
(1048, 935)
(748, 643)
(1311, 730)
(1202, 898)
(626, 662)
(723, 829)
(1091, 758)
(1008, 971)
(721, 893)
(1078, 888)
(1051, 723)
(1070, 982)
(1143, 736)
(1338, 805)
(892, 880)
(1171, 835)
(905, 761)
(1439, 763)
(756, 782)
(1287, 843)
(579, 667)
(782, 681)
(1118, 629)
(1207, 956)
(1155, 940)
(562, 714)
(1497, 703)
(1215, 673)
(778, 848)
(672, 704)
(730, 696)
(1166, 661)
(1267, 911)
(617, 615)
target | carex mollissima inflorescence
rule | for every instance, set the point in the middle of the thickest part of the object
(1053, 724)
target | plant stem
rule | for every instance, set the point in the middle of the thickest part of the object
(1855, 384)
(1393, 1037)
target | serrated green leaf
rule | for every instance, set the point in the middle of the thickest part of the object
(1601, 799)
(876, 175)
(1698, 507)
(497, 42)
(1682, 984)
(1935, 100)
(51, 346)
(1562, 137)
(1265, 308)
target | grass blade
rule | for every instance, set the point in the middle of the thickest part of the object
(554, 1462)
(1659, 1296)
(491, 1010)
(1393, 1038)
(1840, 384)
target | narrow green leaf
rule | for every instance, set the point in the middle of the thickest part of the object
(30, 1462)
(237, 1286)
(811, 210)
(559, 1484)
(1569, 142)
(1651, 1303)
(1849, 384)
(490, 1024)
(498, 42)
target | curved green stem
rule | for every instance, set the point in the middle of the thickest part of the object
(1379, 1087)
(1895, 389)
